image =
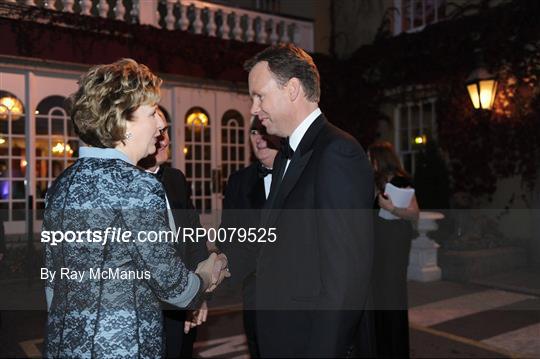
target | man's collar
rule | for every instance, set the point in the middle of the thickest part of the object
(300, 131)
(154, 171)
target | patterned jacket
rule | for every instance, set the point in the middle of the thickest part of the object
(111, 306)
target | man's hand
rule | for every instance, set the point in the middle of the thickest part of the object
(220, 271)
(205, 269)
(197, 317)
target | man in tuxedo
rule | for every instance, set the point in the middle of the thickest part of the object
(312, 283)
(178, 324)
(245, 194)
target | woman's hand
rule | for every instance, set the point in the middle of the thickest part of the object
(198, 317)
(385, 202)
(410, 213)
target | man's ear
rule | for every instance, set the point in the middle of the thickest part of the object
(294, 88)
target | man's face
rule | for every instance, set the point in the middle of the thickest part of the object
(162, 145)
(263, 146)
(270, 100)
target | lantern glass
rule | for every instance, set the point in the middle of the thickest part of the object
(487, 93)
(473, 94)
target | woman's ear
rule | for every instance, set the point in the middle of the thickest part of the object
(293, 88)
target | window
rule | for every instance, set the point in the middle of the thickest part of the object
(57, 145)
(413, 121)
(414, 15)
(198, 155)
(12, 158)
(232, 144)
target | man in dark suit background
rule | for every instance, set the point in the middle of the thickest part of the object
(179, 344)
(245, 194)
(312, 283)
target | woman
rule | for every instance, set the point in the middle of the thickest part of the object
(107, 303)
(391, 254)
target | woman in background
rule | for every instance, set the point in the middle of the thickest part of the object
(114, 113)
(391, 254)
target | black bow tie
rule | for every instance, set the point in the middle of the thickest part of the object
(263, 171)
(286, 149)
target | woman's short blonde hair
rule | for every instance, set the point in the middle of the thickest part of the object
(107, 97)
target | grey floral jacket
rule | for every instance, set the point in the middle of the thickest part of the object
(104, 300)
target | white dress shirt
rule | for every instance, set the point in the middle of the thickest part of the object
(300, 131)
(267, 184)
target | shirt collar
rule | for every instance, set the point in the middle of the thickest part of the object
(105, 153)
(154, 172)
(300, 131)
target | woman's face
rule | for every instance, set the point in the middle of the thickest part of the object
(144, 129)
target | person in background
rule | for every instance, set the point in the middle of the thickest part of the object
(245, 194)
(178, 343)
(114, 112)
(391, 254)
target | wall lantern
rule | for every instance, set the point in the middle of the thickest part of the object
(482, 88)
(197, 119)
(10, 106)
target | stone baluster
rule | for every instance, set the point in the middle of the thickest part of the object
(237, 29)
(169, 18)
(211, 27)
(198, 23)
(285, 38)
(49, 4)
(183, 22)
(250, 33)
(86, 7)
(67, 5)
(225, 28)
(119, 10)
(295, 34)
(134, 13)
(103, 8)
(261, 31)
(273, 32)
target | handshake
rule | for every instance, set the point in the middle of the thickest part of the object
(212, 271)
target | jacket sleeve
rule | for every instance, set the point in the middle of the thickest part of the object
(344, 190)
(145, 211)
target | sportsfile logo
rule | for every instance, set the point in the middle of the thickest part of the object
(182, 234)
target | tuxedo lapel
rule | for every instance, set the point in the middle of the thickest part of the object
(299, 161)
(296, 167)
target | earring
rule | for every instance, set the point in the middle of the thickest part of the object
(128, 136)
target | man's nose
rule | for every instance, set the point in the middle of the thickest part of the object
(255, 108)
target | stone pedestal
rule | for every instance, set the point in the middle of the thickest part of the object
(423, 257)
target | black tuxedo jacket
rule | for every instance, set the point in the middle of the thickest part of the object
(313, 282)
(178, 193)
(244, 198)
